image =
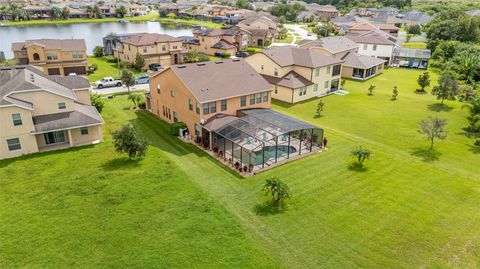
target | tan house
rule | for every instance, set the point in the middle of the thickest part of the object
(54, 56)
(261, 28)
(226, 108)
(218, 41)
(155, 48)
(355, 65)
(297, 74)
(136, 10)
(194, 93)
(41, 113)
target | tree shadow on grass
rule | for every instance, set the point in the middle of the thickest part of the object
(267, 208)
(474, 148)
(426, 154)
(420, 92)
(439, 107)
(121, 163)
(357, 167)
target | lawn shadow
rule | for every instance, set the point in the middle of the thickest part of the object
(426, 154)
(439, 107)
(420, 92)
(120, 163)
(317, 116)
(267, 208)
(474, 148)
(357, 167)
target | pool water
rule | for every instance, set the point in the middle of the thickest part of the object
(270, 153)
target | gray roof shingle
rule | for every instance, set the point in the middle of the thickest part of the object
(287, 55)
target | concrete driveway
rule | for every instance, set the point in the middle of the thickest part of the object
(297, 28)
(144, 87)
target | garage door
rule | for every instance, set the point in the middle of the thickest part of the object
(54, 71)
(79, 70)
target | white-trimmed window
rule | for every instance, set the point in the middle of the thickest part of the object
(317, 72)
(265, 96)
(62, 105)
(303, 91)
(52, 56)
(77, 54)
(275, 72)
(329, 70)
(84, 131)
(17, 119)
(326, 84)
(14, 144)
(374, 47)
(315, 88)
(365, 46)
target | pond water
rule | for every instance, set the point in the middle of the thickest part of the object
(91, 32)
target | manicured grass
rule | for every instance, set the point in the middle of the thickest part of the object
(69, 21)
(191, 22)
(180, 208)
(288, 39)
(105, 68)
(415, 45)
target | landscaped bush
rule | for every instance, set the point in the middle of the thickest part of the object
(142, 104)
(176, 126)
(226, 55)
(477, 142)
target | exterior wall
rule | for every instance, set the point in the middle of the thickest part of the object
(283, 94)
(45, 102)
(94, 135)
(264, 65)
(347, 71)
(338, 55)
(206, 43)
(83, 96)
(8, 131)
(382, 51)
(161, 53)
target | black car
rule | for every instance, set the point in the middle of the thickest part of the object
(242, 54)
(155, 67)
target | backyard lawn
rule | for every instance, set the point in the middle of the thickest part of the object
(415, 45)
(105, 68)
(179, 208)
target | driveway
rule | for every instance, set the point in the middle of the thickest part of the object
(292, 29)
(144, 87)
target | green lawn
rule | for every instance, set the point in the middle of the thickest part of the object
(69, 21)
(105, 69)
(179, 208)
(288, 39)
(415, 45)
(191, 22)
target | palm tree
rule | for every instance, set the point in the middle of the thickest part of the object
(278, 190)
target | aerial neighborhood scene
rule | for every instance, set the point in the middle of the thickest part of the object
(239, 134)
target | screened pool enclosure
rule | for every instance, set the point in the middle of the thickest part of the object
(259, 138)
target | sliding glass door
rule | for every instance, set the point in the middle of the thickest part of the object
(54, 137)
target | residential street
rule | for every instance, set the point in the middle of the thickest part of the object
(292, 29)
(111, 90)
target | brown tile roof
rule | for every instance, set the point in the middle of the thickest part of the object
(361, 61)
(334, 44)
(224, 45)
(210, 81)
(52, 44)
(291, 80)
(287, 55)
(144, 39)
(372, 38)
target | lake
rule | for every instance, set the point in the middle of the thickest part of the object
(91, 32)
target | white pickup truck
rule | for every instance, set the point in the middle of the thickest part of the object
(108, 82)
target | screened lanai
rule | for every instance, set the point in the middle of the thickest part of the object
(259, 138)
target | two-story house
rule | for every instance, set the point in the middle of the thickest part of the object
(218, 41)
(375, 43)
(54, 56)
(41, 113)
(297, 74)
(155, 49)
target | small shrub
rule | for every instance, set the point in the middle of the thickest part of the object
(371, 89)
(226, 55)
(477, 142)
(278, 190)
(176, 126)
(361, 154)
(127, 141)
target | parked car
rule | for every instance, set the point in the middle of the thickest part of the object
(309, 34)
(108, 82)
(155, 67)
(145, 79)
(242, 54)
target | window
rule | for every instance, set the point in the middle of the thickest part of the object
(190, 104)
(172, 93)
(326, 85)
(84, 130)
(336, 70)
(223, 105)
(374, 47)
(164, 48)
(261, 67)
(175, 47)
(36, 57)
(259, 97)
(197, 130)
(275, 72)
(252, 99)
(175, 116)
(315, 88)
(164, 112)
(62, 105)
(77, 55)
(365, 46)
(145, 49)
(276, 89)
(265, 96)
(197, 109)
(243, 101)
(169, 114)
(52, 56)
(17, 119)
(303, 91)
(317, 72)
(329, 70)
(14, 144)
(158, 88)
(54, 137)
(206, 109)
(213, 107)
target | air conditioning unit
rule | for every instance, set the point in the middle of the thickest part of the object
(202, 121)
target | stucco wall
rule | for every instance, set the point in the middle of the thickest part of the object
(8, 131)
(45, 102)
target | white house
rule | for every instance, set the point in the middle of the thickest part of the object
(375, 43)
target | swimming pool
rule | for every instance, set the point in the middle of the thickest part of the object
(270, 153)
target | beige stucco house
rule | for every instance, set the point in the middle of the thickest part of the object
(297, 74)
(54, 56)
(155, 48)
(41, 113)
(218, 41)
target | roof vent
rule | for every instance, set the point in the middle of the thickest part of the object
(32, 78)
(219, 62)
(200, 64)
(181, 66)
(236, 60)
